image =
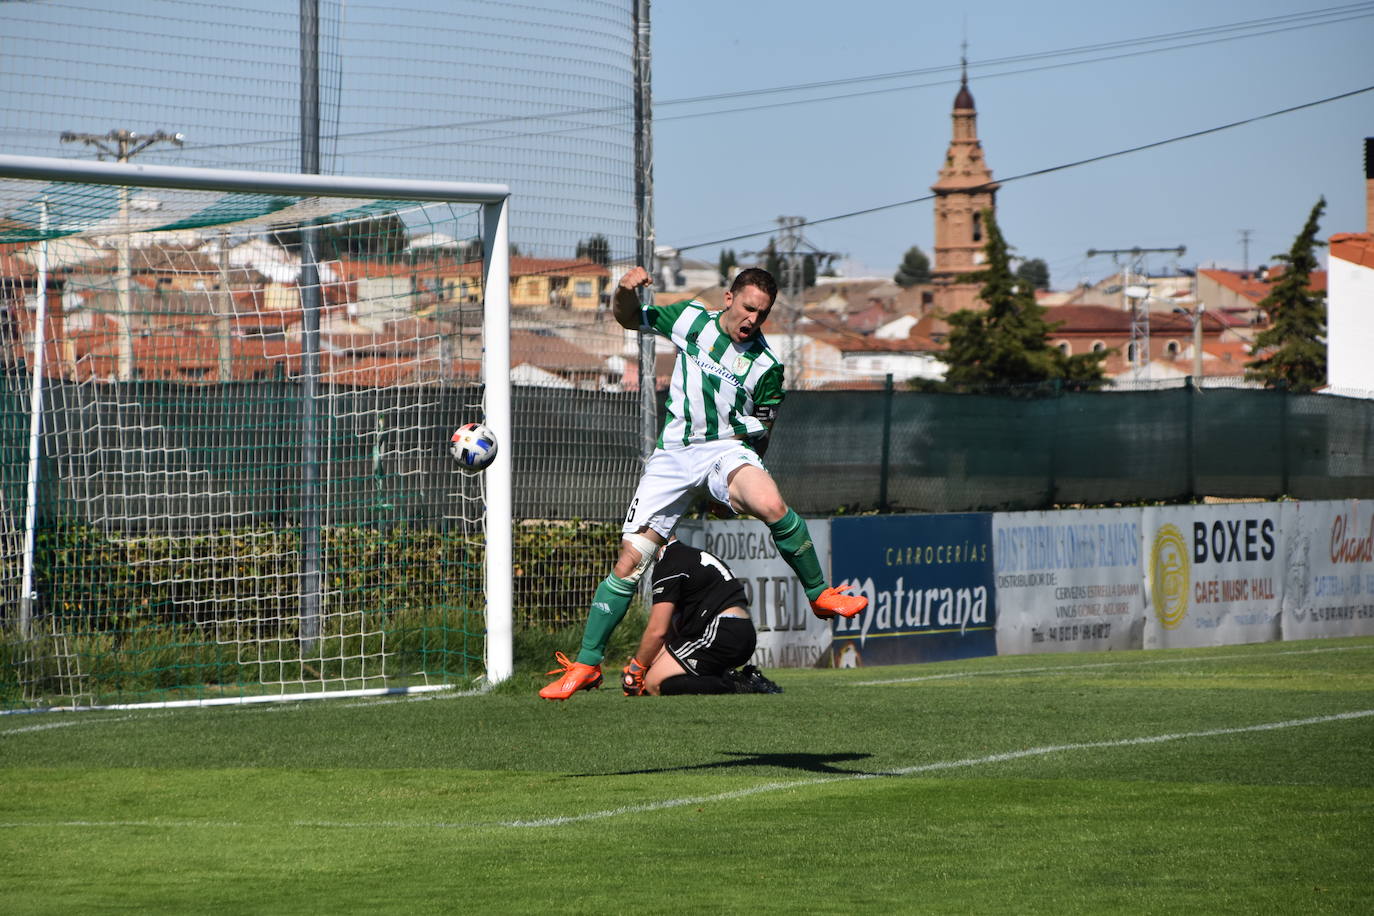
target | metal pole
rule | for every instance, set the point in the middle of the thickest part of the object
(123, 145)
(224, 324)
(40, 347)
(124, 282)
(1197, 342)
(1190, 434)
(644, 236)
(309, 284)
(887, 444)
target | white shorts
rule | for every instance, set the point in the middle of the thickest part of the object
(673, 478)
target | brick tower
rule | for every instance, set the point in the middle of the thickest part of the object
(965, 188)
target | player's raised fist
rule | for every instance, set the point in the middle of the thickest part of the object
(634, 278)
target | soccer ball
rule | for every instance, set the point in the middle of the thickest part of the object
(474, 446)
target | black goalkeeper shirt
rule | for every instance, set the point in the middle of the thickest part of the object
(700, 586)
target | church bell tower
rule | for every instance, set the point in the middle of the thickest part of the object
(963, 191)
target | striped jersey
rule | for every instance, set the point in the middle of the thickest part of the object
(716, 382)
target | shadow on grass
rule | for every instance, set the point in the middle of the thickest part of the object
(808, 763)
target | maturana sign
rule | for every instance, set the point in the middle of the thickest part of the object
(929, 583)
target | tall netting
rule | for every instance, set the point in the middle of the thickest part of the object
(224, 509)
(537, 96)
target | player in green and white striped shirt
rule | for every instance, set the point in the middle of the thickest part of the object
(725, 391)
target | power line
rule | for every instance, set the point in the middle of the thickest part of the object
(1291, 22)
(1054, 168)
(1360, 10)
(982, 78)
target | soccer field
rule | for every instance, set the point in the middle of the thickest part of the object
(1229, 780)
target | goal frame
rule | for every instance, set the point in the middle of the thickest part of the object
(494, 200)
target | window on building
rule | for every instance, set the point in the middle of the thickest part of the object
(977, 227)
(1098, 346)
(1171, 349)
(582, 289)
(1065, 348)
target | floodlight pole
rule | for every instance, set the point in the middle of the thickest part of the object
(124, 145)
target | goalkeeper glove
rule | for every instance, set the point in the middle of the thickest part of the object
(632, 678)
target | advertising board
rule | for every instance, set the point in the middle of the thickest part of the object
(929, 583)
(1213, 574)
(1068, 581)
(1329, 587)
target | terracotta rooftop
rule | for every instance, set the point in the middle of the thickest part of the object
(1355, 247)
(1250, 284)
(1083, 319)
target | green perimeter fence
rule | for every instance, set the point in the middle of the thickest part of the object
(105, 501)
(909, 451)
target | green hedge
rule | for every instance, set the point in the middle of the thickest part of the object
(189, 615)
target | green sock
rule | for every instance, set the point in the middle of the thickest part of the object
(794, 543)
(609, 604)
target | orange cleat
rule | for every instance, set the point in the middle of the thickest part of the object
(837, 600)
(576, 676)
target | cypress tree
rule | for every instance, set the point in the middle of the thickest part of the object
(1293, 347)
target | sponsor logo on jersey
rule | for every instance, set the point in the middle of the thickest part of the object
(711, 367)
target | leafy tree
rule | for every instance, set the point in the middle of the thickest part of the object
(596, 249)
(1035, 273)
(726, 265)
(1294, 346)
(914, 269)
(1007, 343)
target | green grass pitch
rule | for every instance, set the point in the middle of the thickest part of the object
(1229, 780)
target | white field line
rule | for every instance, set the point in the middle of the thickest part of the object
(666, 804)
(88, 715)
(1124, 663)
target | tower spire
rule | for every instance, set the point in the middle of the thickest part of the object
(964, 190)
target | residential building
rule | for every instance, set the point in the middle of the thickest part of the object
(1350, 300)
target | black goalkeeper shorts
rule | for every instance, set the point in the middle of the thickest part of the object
(727, 643)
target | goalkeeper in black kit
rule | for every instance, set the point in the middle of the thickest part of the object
(699, 630)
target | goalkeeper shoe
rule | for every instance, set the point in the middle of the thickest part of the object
(576, 676)
(750, 679)
(837, 600)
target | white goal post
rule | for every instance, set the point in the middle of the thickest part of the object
(356, 673)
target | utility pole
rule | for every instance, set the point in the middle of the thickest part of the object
(1245, 250)
(792, 250)
(1136, 298)
(123, 145)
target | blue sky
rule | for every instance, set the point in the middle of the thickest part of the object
(537, 94)
(721, 174)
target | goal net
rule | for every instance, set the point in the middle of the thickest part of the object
(225, 415)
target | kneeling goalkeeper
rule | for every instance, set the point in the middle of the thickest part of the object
(699, 630)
